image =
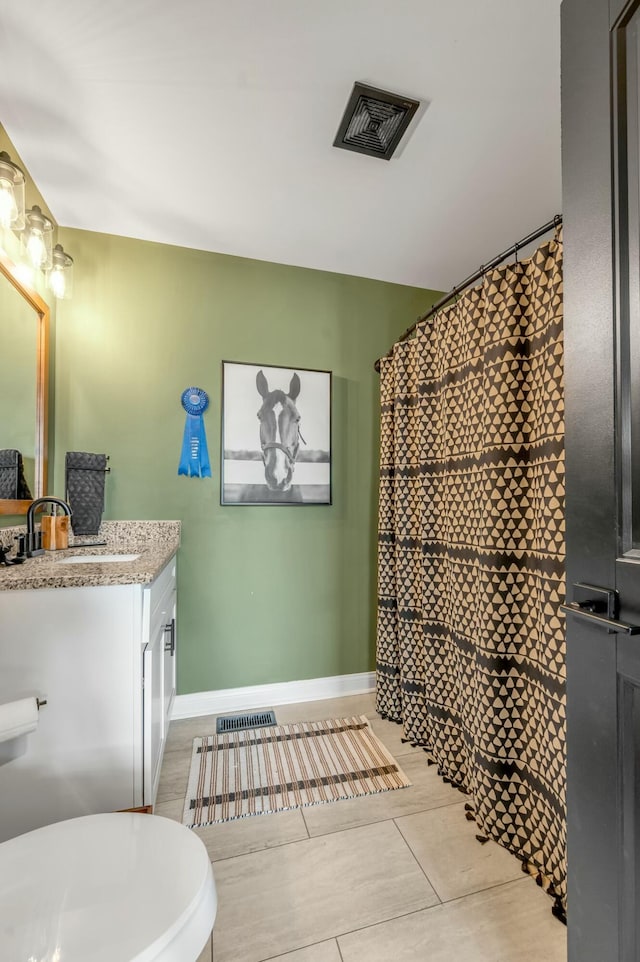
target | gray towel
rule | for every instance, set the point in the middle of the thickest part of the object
(84, 485)
(13, 483)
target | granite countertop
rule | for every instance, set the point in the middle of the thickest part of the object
(155, 542)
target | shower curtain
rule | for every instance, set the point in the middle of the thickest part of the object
(470, 645)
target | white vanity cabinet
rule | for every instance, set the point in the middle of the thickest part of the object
(158, 675)
(104, 659)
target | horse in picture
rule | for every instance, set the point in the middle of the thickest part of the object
(280, 435)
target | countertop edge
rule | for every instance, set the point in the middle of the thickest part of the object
(87, 577)
(49, 571)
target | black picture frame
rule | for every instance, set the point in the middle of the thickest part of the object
(276, 437)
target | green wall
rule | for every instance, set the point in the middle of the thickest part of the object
(266, 594)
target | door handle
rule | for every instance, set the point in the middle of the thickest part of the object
(600, 606)
(584, 609)
(171, 644)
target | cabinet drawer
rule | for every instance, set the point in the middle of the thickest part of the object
(156, 594)
(163, 611)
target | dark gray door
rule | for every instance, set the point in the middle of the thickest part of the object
(601, 188)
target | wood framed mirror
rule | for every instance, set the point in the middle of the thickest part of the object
(24, 387)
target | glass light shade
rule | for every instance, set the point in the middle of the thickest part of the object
(11, 193)
(61, 274)
(36, 238)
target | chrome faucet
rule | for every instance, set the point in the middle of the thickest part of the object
(34, 538)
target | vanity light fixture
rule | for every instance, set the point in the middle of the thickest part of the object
(60, 278)
(36, 238)
(11, 193)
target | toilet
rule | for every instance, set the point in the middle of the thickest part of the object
(122, 887)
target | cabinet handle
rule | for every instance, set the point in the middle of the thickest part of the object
(171, 644)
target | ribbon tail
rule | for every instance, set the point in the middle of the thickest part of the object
(183, 467)
(194, 457)
(205, 466)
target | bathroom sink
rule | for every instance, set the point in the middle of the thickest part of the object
(85, 559)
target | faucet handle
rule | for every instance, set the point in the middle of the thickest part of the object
(5, 559)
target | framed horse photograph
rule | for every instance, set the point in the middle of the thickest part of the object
(276, 435)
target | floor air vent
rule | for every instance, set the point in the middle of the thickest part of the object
(374, 121)
(236, 723)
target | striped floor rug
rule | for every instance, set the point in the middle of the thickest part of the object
(259, 771)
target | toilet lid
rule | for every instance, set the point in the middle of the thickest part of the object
(121, 887)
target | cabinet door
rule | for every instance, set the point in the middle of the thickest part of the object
(169, 661)
(153, 709)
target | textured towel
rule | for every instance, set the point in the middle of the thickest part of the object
(13, 483)
(84, 484)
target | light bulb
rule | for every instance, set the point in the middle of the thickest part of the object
(36, 239)
(60, 279)
(11, 193)
(8, 206)
(35, 247)
(57, 282)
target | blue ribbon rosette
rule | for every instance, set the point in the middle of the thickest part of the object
(194, 458)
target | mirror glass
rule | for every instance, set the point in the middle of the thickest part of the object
(18, 348)
(24, 319)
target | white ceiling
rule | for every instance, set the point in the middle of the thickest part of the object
(210, 124)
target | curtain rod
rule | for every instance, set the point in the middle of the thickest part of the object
(510, 251)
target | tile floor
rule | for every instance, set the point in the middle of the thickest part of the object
(397, 876)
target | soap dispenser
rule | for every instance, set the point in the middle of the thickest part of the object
(55, 530)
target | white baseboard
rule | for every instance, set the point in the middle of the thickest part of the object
(267, 696)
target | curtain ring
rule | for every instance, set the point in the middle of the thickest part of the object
(515, 251)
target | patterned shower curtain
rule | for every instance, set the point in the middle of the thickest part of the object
(470, 645)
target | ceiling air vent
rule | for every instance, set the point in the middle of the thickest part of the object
(374, 121)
